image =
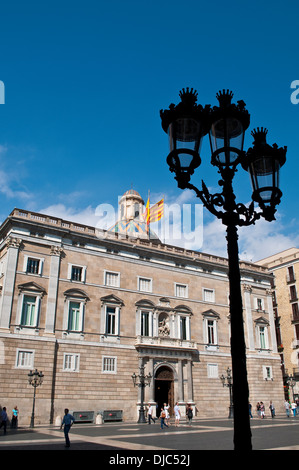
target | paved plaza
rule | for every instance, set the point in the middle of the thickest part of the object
(121, 438)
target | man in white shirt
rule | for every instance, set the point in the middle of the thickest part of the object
(149, 414)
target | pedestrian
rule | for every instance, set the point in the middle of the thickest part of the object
(272, 409)
(177, 414)
(150, 414)
(167, 415)
(294, 408)
(262, 410)
(258, 409)
(67, 421)
(189, 414)
(163, 416)
(250, 408)
(287, 408)
(3, 419)
(14, 418)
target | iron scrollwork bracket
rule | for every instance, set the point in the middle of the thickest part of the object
(238, 214)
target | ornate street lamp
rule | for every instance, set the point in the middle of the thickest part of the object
(186, 124)
(291, 383)
(229, 384)
(35, 379)
(141, 381)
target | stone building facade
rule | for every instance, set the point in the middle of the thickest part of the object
(285, 268)
(88, 308)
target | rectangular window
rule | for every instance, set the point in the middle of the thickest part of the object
(183, 328)
(144, 285)
(213, 371)
(71, 362)
(74, 317)
(110, 320)
(109, 365)
(259, 304)
(293, 293)
(291, 274)
(76, 273)
(262, 337)
(211, 332)
(144, 323)
(295, 311)
(209, 295)
(112, 279)
(33, 266)
(267, 373)
(181, 290)
(28, 317)
(25, 359)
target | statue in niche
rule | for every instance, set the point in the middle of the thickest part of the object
(164, 329)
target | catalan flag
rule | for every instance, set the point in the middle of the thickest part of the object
(146, 215)
(154, 213)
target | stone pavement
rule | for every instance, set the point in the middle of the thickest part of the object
(127, 438)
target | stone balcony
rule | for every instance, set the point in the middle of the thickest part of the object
(164, 342)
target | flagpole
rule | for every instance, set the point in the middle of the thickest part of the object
(163, 231)
(147, 224)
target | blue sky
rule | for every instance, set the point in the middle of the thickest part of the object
(84, 84)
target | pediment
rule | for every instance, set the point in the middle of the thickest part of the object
(262, 321)
(211, 313)
(183, 309)
(145, 303)
(112, 299)
(76, 293)
(32, 287)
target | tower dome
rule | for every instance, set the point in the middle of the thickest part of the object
(131, 220)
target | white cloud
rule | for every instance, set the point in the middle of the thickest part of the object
(193, 228)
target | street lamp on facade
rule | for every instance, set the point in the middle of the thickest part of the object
(229, 384)
(35, 379)
(186, 124)
(141, 381)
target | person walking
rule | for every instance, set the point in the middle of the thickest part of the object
(262, 410)
(287, 408)
(150, 414)
(294, 408)
(189, 414)
(258, 409)
(250, 410)
(14, 418)
(3, 419)
(67, 421)
(163, 416)
(177, 414)
(167, 415)
(272, 409)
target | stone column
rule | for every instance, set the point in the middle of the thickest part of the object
(13, 245)
(190, 381)
(151, 397)
(248, 319)
(53, 288)
(180, 382)
(271, 320)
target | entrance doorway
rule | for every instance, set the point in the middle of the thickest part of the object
(164, 389)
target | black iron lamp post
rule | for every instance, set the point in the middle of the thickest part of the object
(35, 379)
(291, 383)
(186, 125)
(141, 381)
(229, 384)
